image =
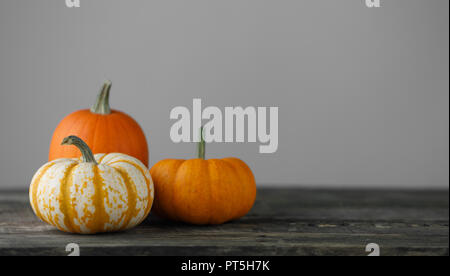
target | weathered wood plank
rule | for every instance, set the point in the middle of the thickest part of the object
(282, 222)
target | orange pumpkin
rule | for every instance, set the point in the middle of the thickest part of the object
(104, 130)
(200, 191)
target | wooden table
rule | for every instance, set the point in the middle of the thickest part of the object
(282, 222)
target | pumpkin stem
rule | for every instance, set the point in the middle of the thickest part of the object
(201, 145)
(86, 152)
(101, 105)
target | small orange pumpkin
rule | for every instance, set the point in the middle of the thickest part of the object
(200, 191)
(103, 129)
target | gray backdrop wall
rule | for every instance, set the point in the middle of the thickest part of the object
(363, 93)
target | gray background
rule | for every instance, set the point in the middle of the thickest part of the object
(363, 93)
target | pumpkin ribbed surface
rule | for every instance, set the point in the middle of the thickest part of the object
(103, 129)
(79, 197)
(201, 191)
(115, 132)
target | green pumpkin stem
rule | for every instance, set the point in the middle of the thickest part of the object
(201, 145)
(101, 105)
(86, 152)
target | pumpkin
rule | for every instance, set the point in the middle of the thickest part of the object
(92, 194)
(104, 129)
(200, 191)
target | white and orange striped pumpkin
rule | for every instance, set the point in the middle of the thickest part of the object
(101, 193)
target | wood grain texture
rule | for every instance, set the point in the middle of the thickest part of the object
(282, 222)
